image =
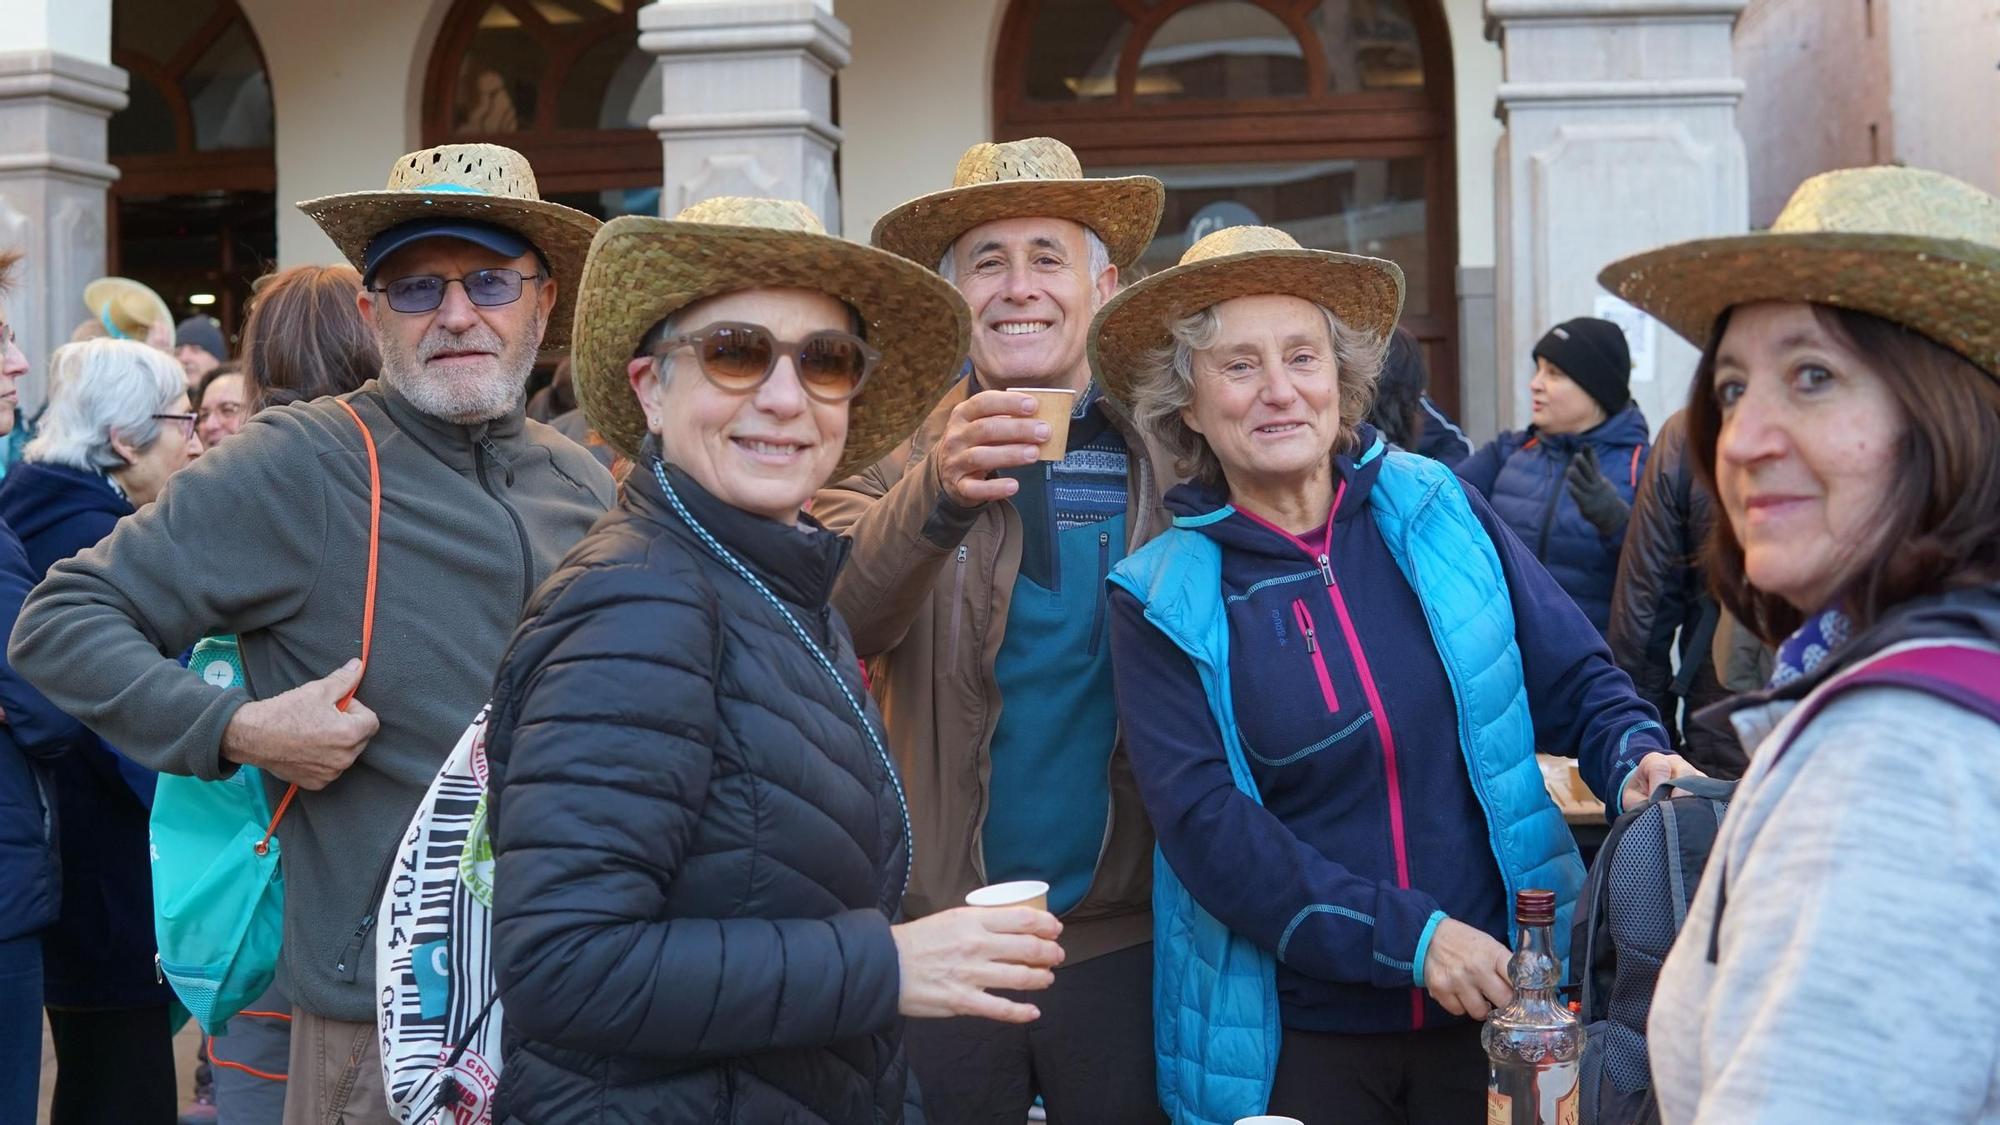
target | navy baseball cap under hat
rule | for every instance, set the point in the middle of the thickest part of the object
(498, 239)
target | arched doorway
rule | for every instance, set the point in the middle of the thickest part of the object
(194, 212)
(565, 83)
(1330, 119)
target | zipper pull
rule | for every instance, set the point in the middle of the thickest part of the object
(159, 973)
(352, 953)
(961, 554)
(1312, 643)
(1326, 570)
(493, 454)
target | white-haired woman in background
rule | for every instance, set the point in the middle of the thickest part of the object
(117, 426)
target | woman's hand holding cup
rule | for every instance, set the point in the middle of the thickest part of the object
(950, 959)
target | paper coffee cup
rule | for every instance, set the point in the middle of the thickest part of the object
(1023, 892)
(1052, 405)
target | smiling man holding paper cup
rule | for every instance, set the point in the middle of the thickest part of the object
(976, 590)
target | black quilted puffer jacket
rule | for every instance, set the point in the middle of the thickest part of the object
(699, 848)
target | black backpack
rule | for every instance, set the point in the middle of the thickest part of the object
(1634, 904)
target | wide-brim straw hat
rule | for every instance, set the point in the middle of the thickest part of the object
(126, 307)
(481, 182)
(641, 270)
(1917, 248)
(1365, 293)
(1034, 178)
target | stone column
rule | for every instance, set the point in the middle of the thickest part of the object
(1620, 119)
(57, 91)
(747, 87)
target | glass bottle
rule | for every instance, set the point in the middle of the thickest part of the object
(1533, 1044)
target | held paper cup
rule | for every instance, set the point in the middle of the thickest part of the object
(1024, 892)
(1052, 405)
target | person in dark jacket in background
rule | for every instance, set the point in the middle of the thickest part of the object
(1335, 671)
(1403, 412)
(1661, 607)
(33, 736)
(117, 427)
(701, 843)
(1565, 484)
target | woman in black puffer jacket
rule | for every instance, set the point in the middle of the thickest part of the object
(700, 840)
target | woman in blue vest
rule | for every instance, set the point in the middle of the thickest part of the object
(1333, 674)
(1565, 484)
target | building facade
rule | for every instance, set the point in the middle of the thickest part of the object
(1499, 150)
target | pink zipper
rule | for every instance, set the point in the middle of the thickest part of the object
(1397, 836)
(1305, 623)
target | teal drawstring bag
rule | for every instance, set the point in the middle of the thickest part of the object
(218, 885)
(218, 879)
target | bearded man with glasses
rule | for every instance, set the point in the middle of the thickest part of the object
(467, 274)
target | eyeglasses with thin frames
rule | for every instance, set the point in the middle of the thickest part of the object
(422, 293)
(187, 422)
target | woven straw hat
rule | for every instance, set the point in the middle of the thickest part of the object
(126, 307)
(486, 183)
(1036, 177)
(1365, 293)
(643, 269)
(1917, 248)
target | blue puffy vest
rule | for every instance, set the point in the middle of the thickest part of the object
(1215, 999)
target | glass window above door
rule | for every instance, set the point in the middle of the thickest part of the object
(1367, 206)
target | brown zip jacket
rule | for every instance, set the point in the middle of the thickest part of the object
(925, 593)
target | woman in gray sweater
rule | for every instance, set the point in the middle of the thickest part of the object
(1838, 961)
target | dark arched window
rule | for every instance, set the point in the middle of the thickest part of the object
(565, 83)
(1330, 119)
(194, 212)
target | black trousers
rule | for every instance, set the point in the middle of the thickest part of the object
(113, 1067)
(1431, 1077)
(1090, 1056)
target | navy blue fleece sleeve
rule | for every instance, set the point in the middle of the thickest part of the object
(38, 727)
(1238, 860)
(1584, 705)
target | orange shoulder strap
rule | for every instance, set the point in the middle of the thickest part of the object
(367, 605)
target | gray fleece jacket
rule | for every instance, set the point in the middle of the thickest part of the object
(1853, 978)
(266, 537)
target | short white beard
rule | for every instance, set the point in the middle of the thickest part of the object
(461, 402)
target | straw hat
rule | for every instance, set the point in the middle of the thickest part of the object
(1917, 248)
(1365, 293)
(1037, 177)
(484, 183)
(126, 307)
(643, 269)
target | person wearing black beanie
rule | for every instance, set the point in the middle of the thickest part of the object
(1566, 483)
(1592, 355)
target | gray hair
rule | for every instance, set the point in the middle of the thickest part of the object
(98, 388)
(1163, 386)
(1100, 258)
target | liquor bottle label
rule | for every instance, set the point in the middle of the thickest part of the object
(1566, 1107)
(1499, 1108)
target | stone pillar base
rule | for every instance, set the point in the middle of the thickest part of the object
(747, 87)
(53, 176)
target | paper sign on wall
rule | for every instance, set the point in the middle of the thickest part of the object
(1641, 334)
